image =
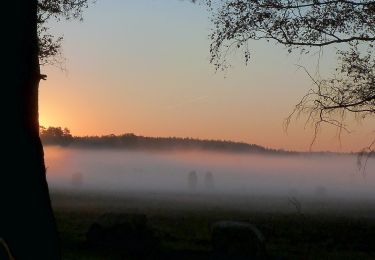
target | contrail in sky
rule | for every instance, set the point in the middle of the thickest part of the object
(187, 102)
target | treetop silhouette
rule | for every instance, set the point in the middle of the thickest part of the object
(50, 45)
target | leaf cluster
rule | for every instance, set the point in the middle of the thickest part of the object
(49, 44)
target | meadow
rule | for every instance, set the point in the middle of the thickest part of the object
(306, 207)
(323, 230)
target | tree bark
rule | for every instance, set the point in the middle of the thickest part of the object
(27, 223)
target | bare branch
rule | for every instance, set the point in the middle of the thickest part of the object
(303, 25)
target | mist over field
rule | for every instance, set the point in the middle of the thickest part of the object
(108, 170)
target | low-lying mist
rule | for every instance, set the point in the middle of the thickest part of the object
(204, 172)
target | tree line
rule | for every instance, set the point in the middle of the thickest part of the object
(62, 136)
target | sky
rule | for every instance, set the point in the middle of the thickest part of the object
(143, 67)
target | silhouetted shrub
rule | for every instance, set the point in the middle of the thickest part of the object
(320, 191)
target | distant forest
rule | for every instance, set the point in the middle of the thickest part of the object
(63, 137)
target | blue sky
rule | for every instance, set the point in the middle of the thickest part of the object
(143, 67)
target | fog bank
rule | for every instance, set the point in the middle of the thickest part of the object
(208, 172)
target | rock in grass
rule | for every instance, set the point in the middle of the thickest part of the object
(237, 240)
(128, 232)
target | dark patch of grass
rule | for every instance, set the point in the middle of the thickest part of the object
(184, 232)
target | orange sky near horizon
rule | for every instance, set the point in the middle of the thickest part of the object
(143, 67)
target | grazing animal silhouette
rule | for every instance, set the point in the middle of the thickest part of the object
(193, 180)
(209, 180)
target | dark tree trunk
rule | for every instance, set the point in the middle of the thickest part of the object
(26, 219)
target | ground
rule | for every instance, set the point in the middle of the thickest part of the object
(322, 229)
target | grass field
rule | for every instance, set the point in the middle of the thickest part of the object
(322, 229)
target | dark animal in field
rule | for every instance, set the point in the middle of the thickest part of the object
(209, 181)
(128, 232)
(77, 179)
(237, 240)
(193, 180)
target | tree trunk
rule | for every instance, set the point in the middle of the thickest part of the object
(26, 219)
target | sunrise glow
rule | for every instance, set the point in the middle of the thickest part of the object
(138, 67)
